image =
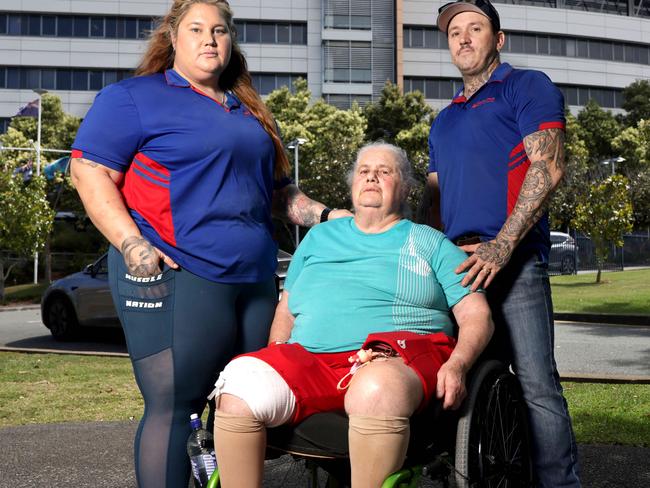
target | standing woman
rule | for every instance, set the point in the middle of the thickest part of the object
(179, 168)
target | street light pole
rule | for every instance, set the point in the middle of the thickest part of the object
(612, 162)
(295, 144)
(40, 93)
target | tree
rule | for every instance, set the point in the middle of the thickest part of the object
(26, 218)
(599, 128)
(633, 144)
(604, 213)
(333, 138)
(403, 120)
(636, 102)
(58, 131)
(576, 177)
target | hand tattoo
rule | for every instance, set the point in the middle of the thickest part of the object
(140, 256)
(497, 252)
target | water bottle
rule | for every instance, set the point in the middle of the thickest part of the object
(200, 448)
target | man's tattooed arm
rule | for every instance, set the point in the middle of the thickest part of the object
(545, 150)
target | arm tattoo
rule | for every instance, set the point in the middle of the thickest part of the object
(140, 257)
(293, 205)
(86, 162)
(545, 150)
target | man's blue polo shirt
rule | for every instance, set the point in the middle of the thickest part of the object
(198, 176)
(476, 147)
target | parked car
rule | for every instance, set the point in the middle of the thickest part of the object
(563, 255)
(84, 299)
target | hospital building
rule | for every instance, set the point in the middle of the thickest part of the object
(346, 49)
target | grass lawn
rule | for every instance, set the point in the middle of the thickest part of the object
(625, 292)
(47, 388)
(29, 293)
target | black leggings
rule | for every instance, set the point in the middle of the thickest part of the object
(181, 330)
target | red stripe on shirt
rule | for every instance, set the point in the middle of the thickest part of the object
(517, 149)
(515, 180)
(551, 125)
(151, 201)
(516, 160)
(151, 163)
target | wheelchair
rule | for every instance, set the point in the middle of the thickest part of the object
(484, 444)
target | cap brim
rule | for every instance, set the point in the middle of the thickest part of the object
(450, 12)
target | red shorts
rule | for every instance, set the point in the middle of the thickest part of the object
(313, 377)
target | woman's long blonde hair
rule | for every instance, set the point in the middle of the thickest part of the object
(160, 56)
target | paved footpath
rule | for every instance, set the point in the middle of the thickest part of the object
(98, 455)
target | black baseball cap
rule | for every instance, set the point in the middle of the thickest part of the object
(483, 7)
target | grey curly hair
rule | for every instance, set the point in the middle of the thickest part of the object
(404, 169)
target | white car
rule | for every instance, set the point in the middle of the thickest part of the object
(563, 257)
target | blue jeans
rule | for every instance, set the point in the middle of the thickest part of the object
(520, 300)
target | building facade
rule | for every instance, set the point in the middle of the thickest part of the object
(346, 49)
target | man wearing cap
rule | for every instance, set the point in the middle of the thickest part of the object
(496, 155)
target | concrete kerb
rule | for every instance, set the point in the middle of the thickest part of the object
(18, 308)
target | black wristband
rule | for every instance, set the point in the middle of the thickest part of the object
(324, 216)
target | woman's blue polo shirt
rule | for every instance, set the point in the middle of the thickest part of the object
(476, 147)
(198, 175)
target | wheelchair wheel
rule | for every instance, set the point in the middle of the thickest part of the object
(492, 445)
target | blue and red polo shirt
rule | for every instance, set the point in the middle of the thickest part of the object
(198, 175)
(476, 147)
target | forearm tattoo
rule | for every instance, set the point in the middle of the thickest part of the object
(545, 149)
(140, 257)
(293, 205)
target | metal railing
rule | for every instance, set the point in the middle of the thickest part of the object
(634, 253)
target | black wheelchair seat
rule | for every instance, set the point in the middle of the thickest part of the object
(485, 443)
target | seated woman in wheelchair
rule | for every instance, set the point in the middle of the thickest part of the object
(363, 326)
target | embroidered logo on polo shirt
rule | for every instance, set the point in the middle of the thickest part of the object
(483, 102)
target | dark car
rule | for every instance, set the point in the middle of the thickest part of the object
(563, 256)
(84, 299)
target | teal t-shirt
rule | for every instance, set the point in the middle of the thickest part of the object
(345, 284)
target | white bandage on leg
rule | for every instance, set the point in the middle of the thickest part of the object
(260, 386)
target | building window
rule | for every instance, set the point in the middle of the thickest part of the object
(4, 124)
(530, 43)
(344, 101)
(447, 88)
(81, 26)
(255, 32)
(347, 14)
(433, 88)
(424, 37)
(347, 62)
(265, 83)
(30, 78)
(580, 95)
